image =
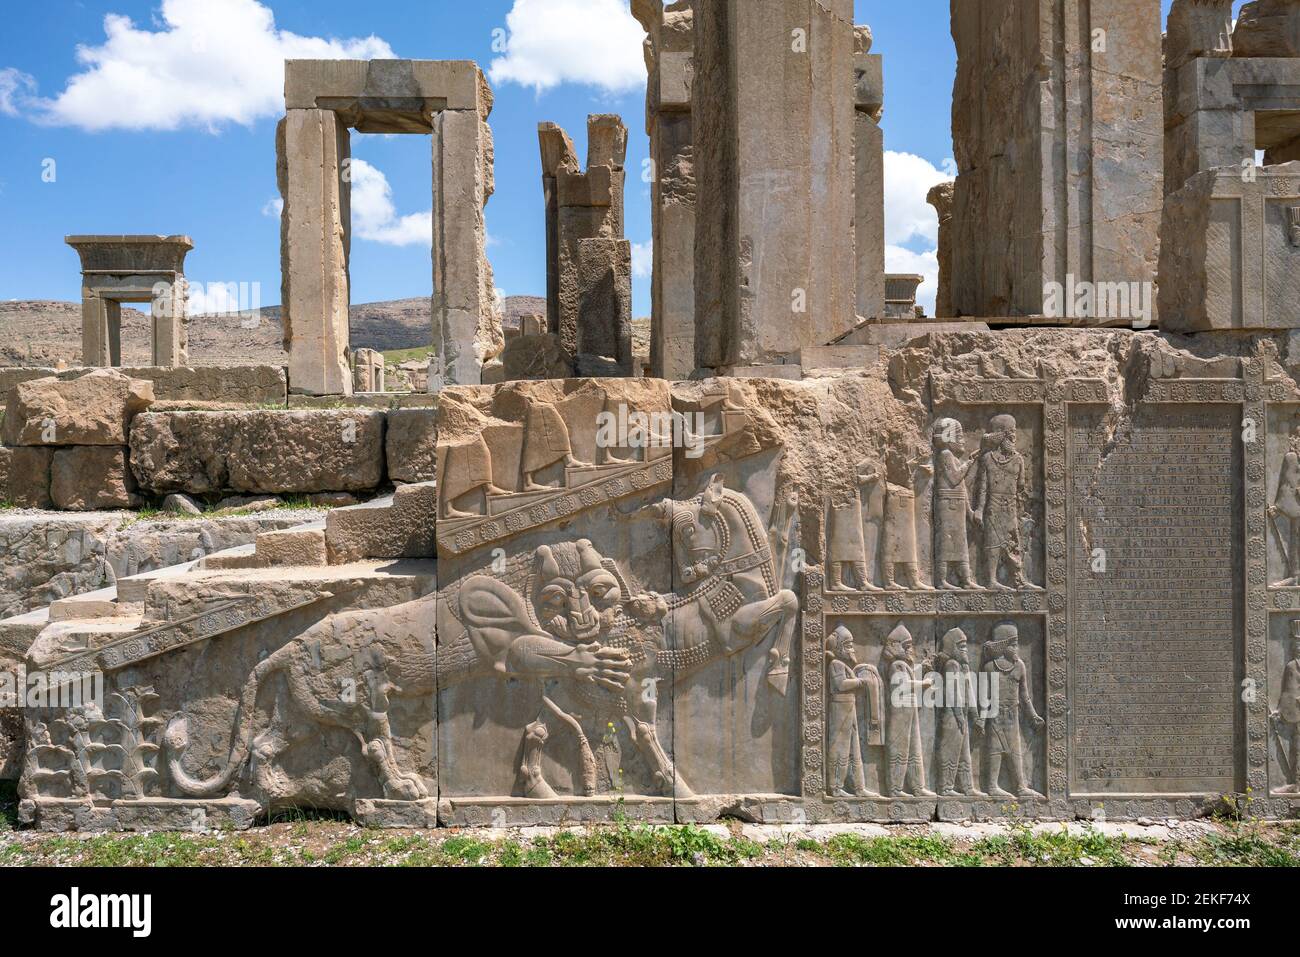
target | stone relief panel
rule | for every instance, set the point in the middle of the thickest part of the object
(1156, 572)
(586, 583)
(293, 696)
(1283, 692)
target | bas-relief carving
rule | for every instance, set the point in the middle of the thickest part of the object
(688, 592)
(933, 708)
(948, 504)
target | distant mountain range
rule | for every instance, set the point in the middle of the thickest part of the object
(44, 332)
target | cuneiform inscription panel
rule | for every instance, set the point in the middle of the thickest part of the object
(1156, 602)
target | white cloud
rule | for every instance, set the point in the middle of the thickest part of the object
(274, 208)
(14, 85)
(374, 215)
(592, 42)
(212, 62)
(643, 255)
(906, 262)
(908, 178)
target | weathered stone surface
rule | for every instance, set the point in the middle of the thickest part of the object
(411, 445)
(869, 170)
(253, 385)
(313, 152)
(181, 505)
(536, 357)
(400, 525)
(466, 318)
(1267, 28)
(293, 547)
(1059, 145)
(941, 198)
(259, 452)
(25, 476)
(92, 409)
(670, 62)
(589, 263)
(91, 478)
(774, 259)
(1236, 261)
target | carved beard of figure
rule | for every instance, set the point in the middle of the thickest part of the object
(578, 599)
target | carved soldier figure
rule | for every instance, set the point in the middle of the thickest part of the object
(1287, 504)
(848, 680)
(956, 717)
(465, 468)
(1288, 712)
(845, 545)
(952, 508)
(1002, 738)
(1001, 491)
(903, 729)
(546, 441)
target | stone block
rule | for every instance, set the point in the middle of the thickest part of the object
(400, 525)
(92, 409)
(303, 545)
(411, 445)
(1231, 259)
(25, 476)
(90, 477)
(262, 452)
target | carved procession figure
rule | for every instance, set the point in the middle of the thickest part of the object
(1001, 491)
(849, 680)
(1003, 742)
(899, 555)
(1287, 713)
(546, 442)
(846, 546)
(465, 468)
(956, 718)
(952, 507)
(1286, 503)
(903, 729)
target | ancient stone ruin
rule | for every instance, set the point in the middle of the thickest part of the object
(833, 561)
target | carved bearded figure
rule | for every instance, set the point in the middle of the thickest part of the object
(1286, 503)
(1003, 743)
(952, 509)
(849, 680)
(903, 732)
(1287, 713)
(1001, 490)
(956, 717)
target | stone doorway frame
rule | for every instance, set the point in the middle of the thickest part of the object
(450, 100)
(134, 269)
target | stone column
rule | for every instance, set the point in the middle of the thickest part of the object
(774, 248)
(1058, 136)
(1199, 29)
(869, 146)
(940, 197)
(100, 334)
(557, 154)
(589, 271)
(466, 319)
(670, 63)
(313, 148)
(169, 312)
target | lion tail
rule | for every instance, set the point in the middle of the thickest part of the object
(177, 739)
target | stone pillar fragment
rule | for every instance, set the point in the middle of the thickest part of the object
(774, 250)
(466, 318)
(589, 276)
(869, 192)
(940, 197)
(670, 63)
(1059, 144)
(313, 147)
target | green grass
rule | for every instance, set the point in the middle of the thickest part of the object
(394, 357)
(327, 840)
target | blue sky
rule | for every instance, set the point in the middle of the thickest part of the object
(194, 152)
